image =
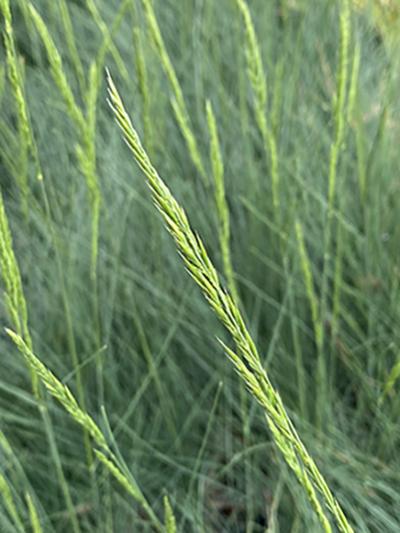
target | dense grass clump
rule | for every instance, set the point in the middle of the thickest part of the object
(268, 135)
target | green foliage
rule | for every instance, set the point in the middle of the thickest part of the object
(291, 179)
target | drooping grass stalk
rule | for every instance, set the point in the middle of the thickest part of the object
(24, 130)
(178, 101)
(65, 397)
(221, 203)
(169, 517)
(340, 117)
(144, 89)
(16, 306)
(33, 515)
(71, 44)
(246, 360)
(91, 5)
(258, 82)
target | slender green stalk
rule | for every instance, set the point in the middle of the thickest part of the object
(87, 160)
(108, 43)
(107, 39)
(144, 89)
(246, 360)
(221, 203)
(178, 101)
(199, 458)
(340, 117)
(72, 47)
(165, 404)
(258, 82)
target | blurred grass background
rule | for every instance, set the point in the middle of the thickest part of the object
(167, 394)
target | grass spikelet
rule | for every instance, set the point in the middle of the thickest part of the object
(247, 361)
(16, 81)
(340, 101)
(87, 160)
(169, 517)
(220, 201)
(14, 295)
(129, 485)
(392, 378)
(57, 70)
(14, 72)
(33, 515)
(59, 391)
(258, 82)
(178, 102)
